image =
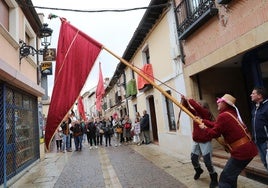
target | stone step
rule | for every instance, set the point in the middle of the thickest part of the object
(255, 169)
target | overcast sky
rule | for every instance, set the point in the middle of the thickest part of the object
(112, 29)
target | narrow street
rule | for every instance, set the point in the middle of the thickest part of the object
(125, 166)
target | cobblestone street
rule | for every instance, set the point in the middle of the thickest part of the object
(125, 166)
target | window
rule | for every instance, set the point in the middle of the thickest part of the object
(29, 36)
(9, 14)
(193, 5)
(135, 109)
(170, 114)
(146, 56)
(4, 16)
(21, 127)
(27, 39)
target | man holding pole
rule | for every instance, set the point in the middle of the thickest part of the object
(236, 136)
(201, 143)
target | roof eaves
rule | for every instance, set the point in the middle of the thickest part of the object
(31, 14)
(146, 24)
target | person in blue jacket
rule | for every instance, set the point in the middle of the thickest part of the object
(260, 121)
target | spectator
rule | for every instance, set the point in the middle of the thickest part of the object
(66, 134)
(145, 124)
(127, 124)
(136, 130)
(107, 127)
(91, 133)
(78, 135)
(99, 131)
(118, 130)
(260, 121)
(58, 138)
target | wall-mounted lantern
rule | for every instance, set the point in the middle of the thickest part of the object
(45, 35)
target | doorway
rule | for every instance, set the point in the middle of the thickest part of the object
(153, 118)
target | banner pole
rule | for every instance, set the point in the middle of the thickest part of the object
(155, 85)
(195, 118)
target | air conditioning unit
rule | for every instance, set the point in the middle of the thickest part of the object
(223, 2)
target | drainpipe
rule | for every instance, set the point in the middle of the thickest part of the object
(181, 52)
(182, 56)
(38, 63)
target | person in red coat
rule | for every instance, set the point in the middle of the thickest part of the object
(201, 144)
(236, 136)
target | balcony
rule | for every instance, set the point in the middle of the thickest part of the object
(191, 15)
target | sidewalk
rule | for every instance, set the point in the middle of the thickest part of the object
(181, 168)
(46, 173)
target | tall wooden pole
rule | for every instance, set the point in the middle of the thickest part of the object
(220, 140)
(155, 85)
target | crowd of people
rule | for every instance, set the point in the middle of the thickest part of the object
(228, 127)
(99, 131)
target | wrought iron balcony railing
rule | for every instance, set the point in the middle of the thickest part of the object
(192, 14)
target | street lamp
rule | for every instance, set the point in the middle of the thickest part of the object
(45, 35)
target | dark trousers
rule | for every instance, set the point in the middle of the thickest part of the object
(121, 137)
(78, 142)
(92, 140)
(262, 152)
(107, 139)
(99, 139)
(147, 136)
(231, 171)
(71, 136)
(59, 144)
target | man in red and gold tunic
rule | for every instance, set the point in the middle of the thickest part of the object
(236, 136)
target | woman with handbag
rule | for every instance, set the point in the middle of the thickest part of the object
(118, 131)
(127, 124)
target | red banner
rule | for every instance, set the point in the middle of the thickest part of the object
(76, 55)
(81, 109)
(99, 90)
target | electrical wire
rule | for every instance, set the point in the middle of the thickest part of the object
(100, 11)
(113, 10)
